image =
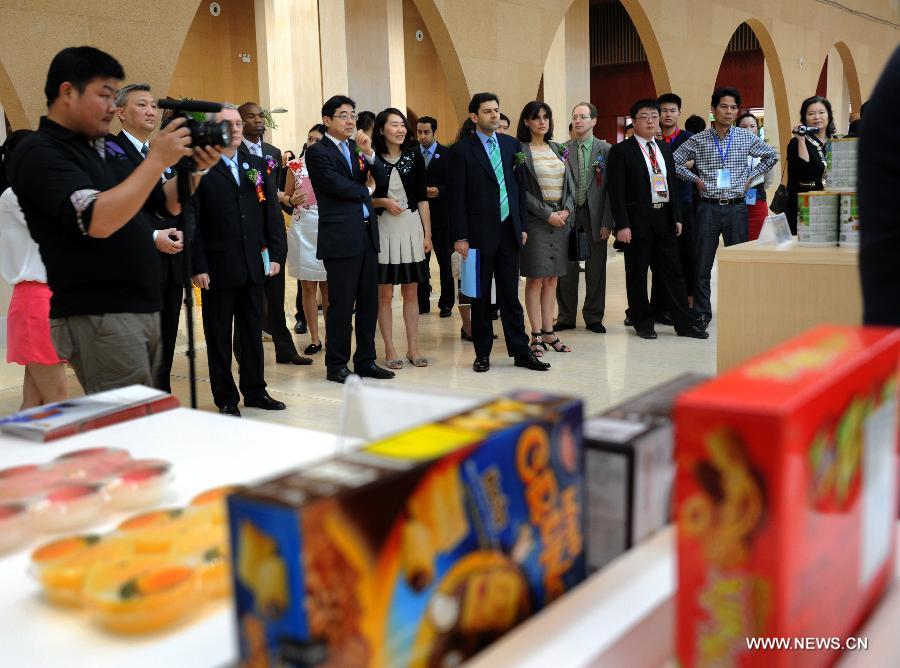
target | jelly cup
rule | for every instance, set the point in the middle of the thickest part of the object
(140, 483)
(14, 525)
(68, 506)
(91, 463)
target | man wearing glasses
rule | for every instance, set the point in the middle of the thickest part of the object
(587, 157)
(339, 169)
(240, 239)
(643, 192)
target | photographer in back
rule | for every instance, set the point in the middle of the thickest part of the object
(100, 257)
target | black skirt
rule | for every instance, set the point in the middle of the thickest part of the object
(407, 272)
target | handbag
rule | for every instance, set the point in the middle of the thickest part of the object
(579, 245)
(780, 198)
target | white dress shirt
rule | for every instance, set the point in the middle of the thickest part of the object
(655, 196)
(20, 259)
(138, 144)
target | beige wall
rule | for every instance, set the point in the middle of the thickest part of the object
(375, 54)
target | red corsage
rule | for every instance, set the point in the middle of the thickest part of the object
(257, 180)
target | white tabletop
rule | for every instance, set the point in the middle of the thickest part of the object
(207, 450)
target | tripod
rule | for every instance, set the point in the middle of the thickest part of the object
(185, 223)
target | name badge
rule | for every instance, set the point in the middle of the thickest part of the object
(750, 197)
(723, 178)
(659, 185)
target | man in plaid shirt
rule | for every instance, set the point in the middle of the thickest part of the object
(719, 155)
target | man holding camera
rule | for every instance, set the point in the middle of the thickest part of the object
(240, 240)
(100, 258)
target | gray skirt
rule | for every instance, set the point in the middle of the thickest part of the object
(546, 253)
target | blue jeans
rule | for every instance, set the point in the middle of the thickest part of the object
(712, 220)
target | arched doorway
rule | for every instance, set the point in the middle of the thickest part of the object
(839, 82)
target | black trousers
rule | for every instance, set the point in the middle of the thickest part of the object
(273, 317)
(502, 264)
(352, 282)
(659, 250)
(687, 253)
(443, 248)
(243, 306)
(172, 298)
(299, 315)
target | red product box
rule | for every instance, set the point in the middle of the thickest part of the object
(786, 493)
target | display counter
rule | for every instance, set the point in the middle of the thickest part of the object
(768, 295)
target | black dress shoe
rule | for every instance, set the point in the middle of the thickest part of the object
(665, 319)
(563, 326)
(464, 336)
(703, 321)
(530, 361)
(495, 314)
(596, 327)
(294, 359)
(312, 349)
(372, 370)
(300, 327)
(230, 410)
(694, 332)
(265, 402)
(338, 375)
(646, 333)
(446, 312)
(424, 309)
(481, 364)
(627, 322)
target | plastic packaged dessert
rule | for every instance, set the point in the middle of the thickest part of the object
(13, 525)
(79, 488)
(786, 488)
(417, 550)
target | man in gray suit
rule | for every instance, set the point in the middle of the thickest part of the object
(587, 157)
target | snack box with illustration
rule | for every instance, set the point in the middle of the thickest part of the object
(786, 492)
(419, 549)
(629, 466)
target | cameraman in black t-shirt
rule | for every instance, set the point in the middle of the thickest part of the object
(100, 257)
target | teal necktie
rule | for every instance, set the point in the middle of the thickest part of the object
(494, 153)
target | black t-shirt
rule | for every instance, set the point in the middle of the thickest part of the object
(56, 175)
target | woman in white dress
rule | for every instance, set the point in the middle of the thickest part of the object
(303, 236)
(404, 229)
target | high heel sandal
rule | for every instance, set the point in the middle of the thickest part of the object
(556, 344)
(536, 344)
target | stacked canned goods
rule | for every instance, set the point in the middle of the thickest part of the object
(831, 217)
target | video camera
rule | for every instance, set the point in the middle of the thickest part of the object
(806, 130)
(203, 133)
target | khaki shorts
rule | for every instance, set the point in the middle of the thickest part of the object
(110, 350)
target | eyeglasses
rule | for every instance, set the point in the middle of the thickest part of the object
(581, 117)
(647, 117)
(344, 116)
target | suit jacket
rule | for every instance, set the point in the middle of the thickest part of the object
(233, 226)
(597, 195)
(437, 174)
(538, 210)
(152, 208)
(629, 187)
(475, 192)
(340, 193)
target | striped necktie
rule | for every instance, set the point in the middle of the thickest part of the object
(496, 163)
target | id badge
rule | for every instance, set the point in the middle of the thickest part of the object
(659, 183)
(723, 178)
(750, 197)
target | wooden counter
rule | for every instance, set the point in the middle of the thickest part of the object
(766, 296)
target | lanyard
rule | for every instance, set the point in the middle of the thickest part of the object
(724, 155)
(654, 163)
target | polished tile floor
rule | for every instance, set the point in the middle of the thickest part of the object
(602, 369)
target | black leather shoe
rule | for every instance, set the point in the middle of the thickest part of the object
(313, 348)
(530, 361)
(646, 333)
(464, 336)
(495, 314)
(665, 319)
(230, 410)
(338, 375)
(694, 332)
(703, 321)
(596, 327)
(294, 359)
(423, 309)
(265, 402)
(481, 364)
(300, 327)
(446, 312)
(627, 322)
(563, 326)
(372, 370)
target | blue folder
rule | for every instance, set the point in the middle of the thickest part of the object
(470, 273)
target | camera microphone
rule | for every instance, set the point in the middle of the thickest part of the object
(190, 105)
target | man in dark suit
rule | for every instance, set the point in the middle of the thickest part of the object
(879, 174)
(136, 110)
(273, 306)
(486, 208)
(643, 188)
(237, 217)
(437, 161)
(348, 238)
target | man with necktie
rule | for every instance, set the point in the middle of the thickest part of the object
(486, 205)
(348, 244)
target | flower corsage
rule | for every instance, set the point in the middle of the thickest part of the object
(360, 158)
(256, 179)
(520, 159)
(270, 164)
(599, 167)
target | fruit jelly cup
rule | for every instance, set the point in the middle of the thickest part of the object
(14, 525)
(69, 506)
(141, 483)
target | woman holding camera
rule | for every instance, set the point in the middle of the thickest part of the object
(806, 152)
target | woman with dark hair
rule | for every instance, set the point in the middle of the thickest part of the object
(404, 229)
(28, 319)
(550, 198)
(806, 153)
(757, 206)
